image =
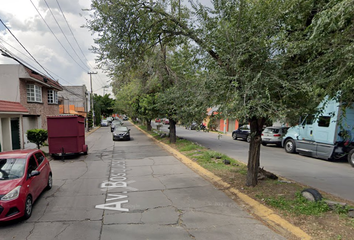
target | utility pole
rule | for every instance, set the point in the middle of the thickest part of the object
(91, 99)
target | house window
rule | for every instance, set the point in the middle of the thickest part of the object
(34, 93)
(52, 96)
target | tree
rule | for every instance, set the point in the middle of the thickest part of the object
(266, 58)
(90, 120)
(103, 105)
(37, 136)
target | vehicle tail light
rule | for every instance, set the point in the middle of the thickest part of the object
(276, 135)
(262, 134)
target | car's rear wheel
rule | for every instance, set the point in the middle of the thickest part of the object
(234, 136)
(50, 182)
(264, 144)
(28, 207)
(290, 146)
(351, 157)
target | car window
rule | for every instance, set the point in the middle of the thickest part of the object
(39, 157)
(32, 164)
(285, 130)
(271, 130)
(244, 127)
(11, 168)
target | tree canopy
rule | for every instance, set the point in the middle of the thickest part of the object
(255, 59)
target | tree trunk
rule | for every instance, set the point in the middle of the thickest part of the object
(256, 125)
(173, 136)
(148, 124)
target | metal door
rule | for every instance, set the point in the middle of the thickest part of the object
(15, 133)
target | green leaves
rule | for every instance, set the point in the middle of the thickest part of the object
(37, 136)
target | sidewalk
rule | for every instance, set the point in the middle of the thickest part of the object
(169, 200)
(261, 211)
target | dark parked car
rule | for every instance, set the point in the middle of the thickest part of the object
(116, 123)
(273, 135)
(24, 174)
(121, 133)
(193, 126)
(242, 132)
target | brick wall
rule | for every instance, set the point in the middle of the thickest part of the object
(43, 109)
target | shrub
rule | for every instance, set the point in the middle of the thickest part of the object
(37, 136)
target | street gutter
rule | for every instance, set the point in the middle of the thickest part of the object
(258, 209)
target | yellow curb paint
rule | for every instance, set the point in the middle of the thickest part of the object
(258, 209)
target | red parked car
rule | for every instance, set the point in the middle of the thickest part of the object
(24, 174)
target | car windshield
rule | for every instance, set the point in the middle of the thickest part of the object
(11, 168)
(120, 129)
(104, 121)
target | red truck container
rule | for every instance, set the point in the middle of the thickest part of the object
(66, 134)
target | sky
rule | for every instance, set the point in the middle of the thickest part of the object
(66, 57)
(62, 50)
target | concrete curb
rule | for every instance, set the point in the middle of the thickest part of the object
(258, 209)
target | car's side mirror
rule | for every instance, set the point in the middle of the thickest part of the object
(34, 173)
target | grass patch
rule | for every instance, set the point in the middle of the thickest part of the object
(298, 205)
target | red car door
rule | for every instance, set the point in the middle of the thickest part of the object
(32, 183)
(43, 169)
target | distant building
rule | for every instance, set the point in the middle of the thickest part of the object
(74, 100)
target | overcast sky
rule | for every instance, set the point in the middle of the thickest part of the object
(68, 63)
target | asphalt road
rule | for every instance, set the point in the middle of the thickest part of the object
(132, 190)
(336, 178)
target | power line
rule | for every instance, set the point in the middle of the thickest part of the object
(67, 23)
(23, 62)
(64, 34)
(56, 37)
(78, 45)
(8, 52)
(25, 49)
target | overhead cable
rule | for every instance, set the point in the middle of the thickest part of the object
(57, 37)
(65, 34)
(25, 49)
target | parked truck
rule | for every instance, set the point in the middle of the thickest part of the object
(327, 135)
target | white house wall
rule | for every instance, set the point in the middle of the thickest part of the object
(9, 75)
(6, 134)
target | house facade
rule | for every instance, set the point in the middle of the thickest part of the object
(35, 97)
